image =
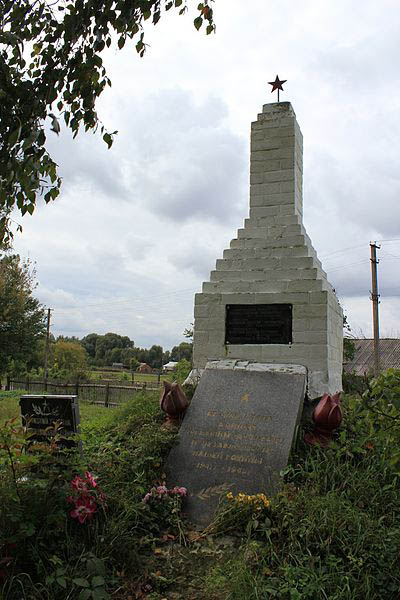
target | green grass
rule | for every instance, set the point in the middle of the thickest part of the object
(9, 407)
(333, 532)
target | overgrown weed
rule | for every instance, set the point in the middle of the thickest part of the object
(332, 533)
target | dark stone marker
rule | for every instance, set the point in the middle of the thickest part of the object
(258, 324)
(40, 412)
(237, 433)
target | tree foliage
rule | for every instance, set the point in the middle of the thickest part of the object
(182, 352)
(51, 68)
(68, 356)
(22, 318)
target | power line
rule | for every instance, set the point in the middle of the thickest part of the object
(341, 250)
(331, 270)
(113, 302)
(391, 255)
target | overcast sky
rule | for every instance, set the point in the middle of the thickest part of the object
(138, 228)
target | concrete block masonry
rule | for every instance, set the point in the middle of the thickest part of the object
(271, 261)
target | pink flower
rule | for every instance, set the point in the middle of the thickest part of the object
(147, 497)
(179, 491)
(79, 484)
(91, 478)
(102, 498)
(161, 490)
(84, 509)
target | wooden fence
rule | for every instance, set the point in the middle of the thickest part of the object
(95, 393)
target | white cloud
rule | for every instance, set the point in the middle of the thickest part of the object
(138, 228)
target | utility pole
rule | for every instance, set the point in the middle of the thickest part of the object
(375, 304)
(46, 352)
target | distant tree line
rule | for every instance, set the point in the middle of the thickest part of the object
(23, 333)
(110, 348)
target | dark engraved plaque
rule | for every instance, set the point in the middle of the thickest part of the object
(41, 412)
(258, 324)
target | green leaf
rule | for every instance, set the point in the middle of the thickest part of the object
(210, 29)
(97, 580)
(84, 595)
(14, 136)
(178, 3)
(108, 140)
(62, 582)
(198, 22)
(121, 42)
(395, 459)
(100, 594)
(79, 581)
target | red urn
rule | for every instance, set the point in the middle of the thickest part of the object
(173, 401)
(327, 416)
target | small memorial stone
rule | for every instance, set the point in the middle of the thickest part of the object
(41, 412)
(237, 432)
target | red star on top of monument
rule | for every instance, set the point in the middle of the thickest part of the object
(277, 85)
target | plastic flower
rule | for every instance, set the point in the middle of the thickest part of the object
(79, 484)
(102, 499)
(84, 509)
(179, 491)
(161, 489)
(91, 478)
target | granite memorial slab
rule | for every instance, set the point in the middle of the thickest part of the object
(41, 412)
(237, 433)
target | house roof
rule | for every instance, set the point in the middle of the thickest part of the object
(171, 363)
(363, 361)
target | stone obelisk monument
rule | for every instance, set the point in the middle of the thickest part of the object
(268, 299)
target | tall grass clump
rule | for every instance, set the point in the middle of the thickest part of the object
(334, 529)
(46, 549)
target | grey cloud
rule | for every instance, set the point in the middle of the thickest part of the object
(195, 256)
(137, 247)
(87, 164)
(189, 165)
(173, 156)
